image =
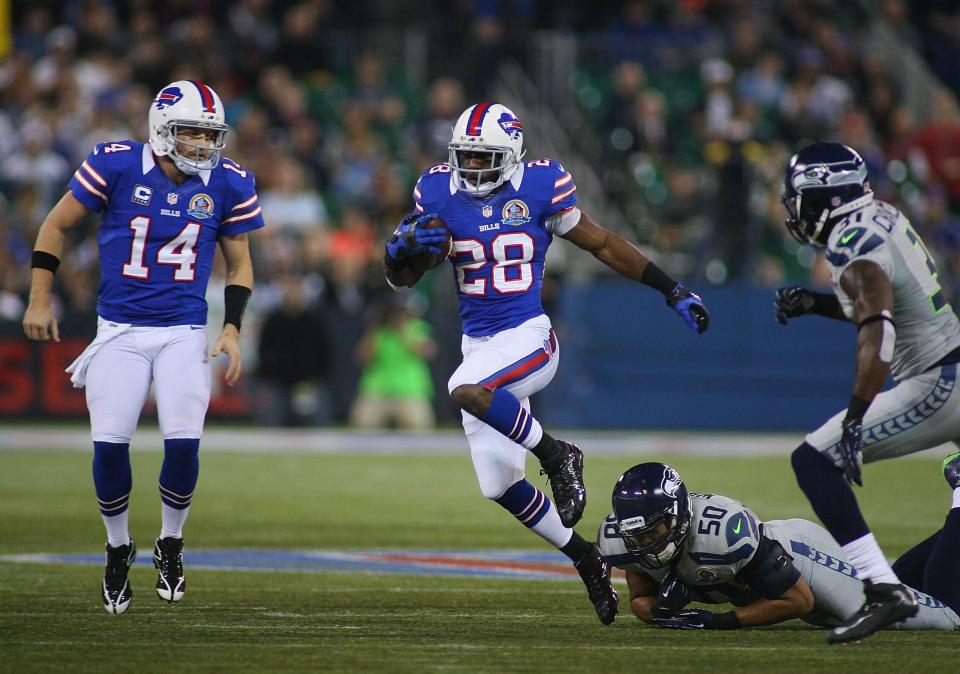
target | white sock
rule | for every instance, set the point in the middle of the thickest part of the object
(117, 531)
(173, 520)
(867, 558)
(956, 498)
(551, 529)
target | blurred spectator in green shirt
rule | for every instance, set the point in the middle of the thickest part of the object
(395, 387)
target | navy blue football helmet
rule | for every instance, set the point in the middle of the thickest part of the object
(824, 183)
(652, 509)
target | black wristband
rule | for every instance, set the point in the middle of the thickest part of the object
(654, 277)
(825, 304)
(394, 264)
(44, 260)
(235, 298)
(857, 408)
(877, 317)
(726, 621)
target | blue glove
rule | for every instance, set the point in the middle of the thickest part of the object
(673, 594)
(690, 307)
(694, 619)
(850, 450)
(410, 238)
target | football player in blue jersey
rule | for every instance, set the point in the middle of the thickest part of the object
(501, 214)
(165, 206)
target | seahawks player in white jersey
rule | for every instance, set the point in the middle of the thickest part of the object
(677, 547)
(885, 282)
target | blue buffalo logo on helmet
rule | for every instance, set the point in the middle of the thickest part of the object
(515, 213)
(201, 206)
(671, 481)
(168, 97)
(510, 125)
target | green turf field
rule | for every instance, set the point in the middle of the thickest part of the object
(51, 618)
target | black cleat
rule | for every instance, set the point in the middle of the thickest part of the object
(886, 604)
(595, 573)
(951, 470)
(565, 472)
(168, 559)
(116, 586)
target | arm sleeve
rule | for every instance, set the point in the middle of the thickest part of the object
(563, 192)
(562, 222)
(244, 215)
(771, 572)
(90, 184)
(861, 243)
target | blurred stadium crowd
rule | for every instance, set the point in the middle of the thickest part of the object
(688, 111)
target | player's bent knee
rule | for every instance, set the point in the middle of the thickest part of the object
(493, 490)
(807, 462)
(468, 396)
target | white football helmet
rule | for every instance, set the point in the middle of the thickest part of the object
(187, 103)
(491, 129)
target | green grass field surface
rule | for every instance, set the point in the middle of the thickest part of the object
(51, 617)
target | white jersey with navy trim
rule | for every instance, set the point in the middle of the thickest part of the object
(723, 538)
(157, 239)
(927, 328)
(500, 241)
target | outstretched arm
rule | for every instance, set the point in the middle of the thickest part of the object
(628, 260)
(38, 320)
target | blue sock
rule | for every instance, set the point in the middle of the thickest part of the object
(940, 576)
(112, 477)
(508, 416)
(181, 467)
(525, 502)
(911, 565)
(829, 494)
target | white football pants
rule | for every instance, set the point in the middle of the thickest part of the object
(513, 358)
(119, 375)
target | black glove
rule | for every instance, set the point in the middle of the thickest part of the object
(850, 453)
(694, 619)
(690, 307)
(792, 302)
(673, 594)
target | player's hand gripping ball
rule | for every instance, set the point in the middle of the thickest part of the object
(430, 232)
(423, 241)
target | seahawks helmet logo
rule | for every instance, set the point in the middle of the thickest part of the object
(671, 482)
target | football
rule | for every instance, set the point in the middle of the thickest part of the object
(422, 262)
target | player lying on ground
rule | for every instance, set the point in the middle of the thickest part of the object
(165, 207)
(885, 282)
(502, 214)
(678, 547)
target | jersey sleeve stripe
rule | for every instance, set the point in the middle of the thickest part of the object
(563, 195)
(244, 204)
(418, 208)
(93, 174)
(246, 216)
(416, 193)
(563, 181)
(90, 188)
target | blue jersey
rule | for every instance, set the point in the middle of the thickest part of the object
(157, 240)
(500, 241)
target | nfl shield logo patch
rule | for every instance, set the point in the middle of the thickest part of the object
(171, 198)
(487, 211)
